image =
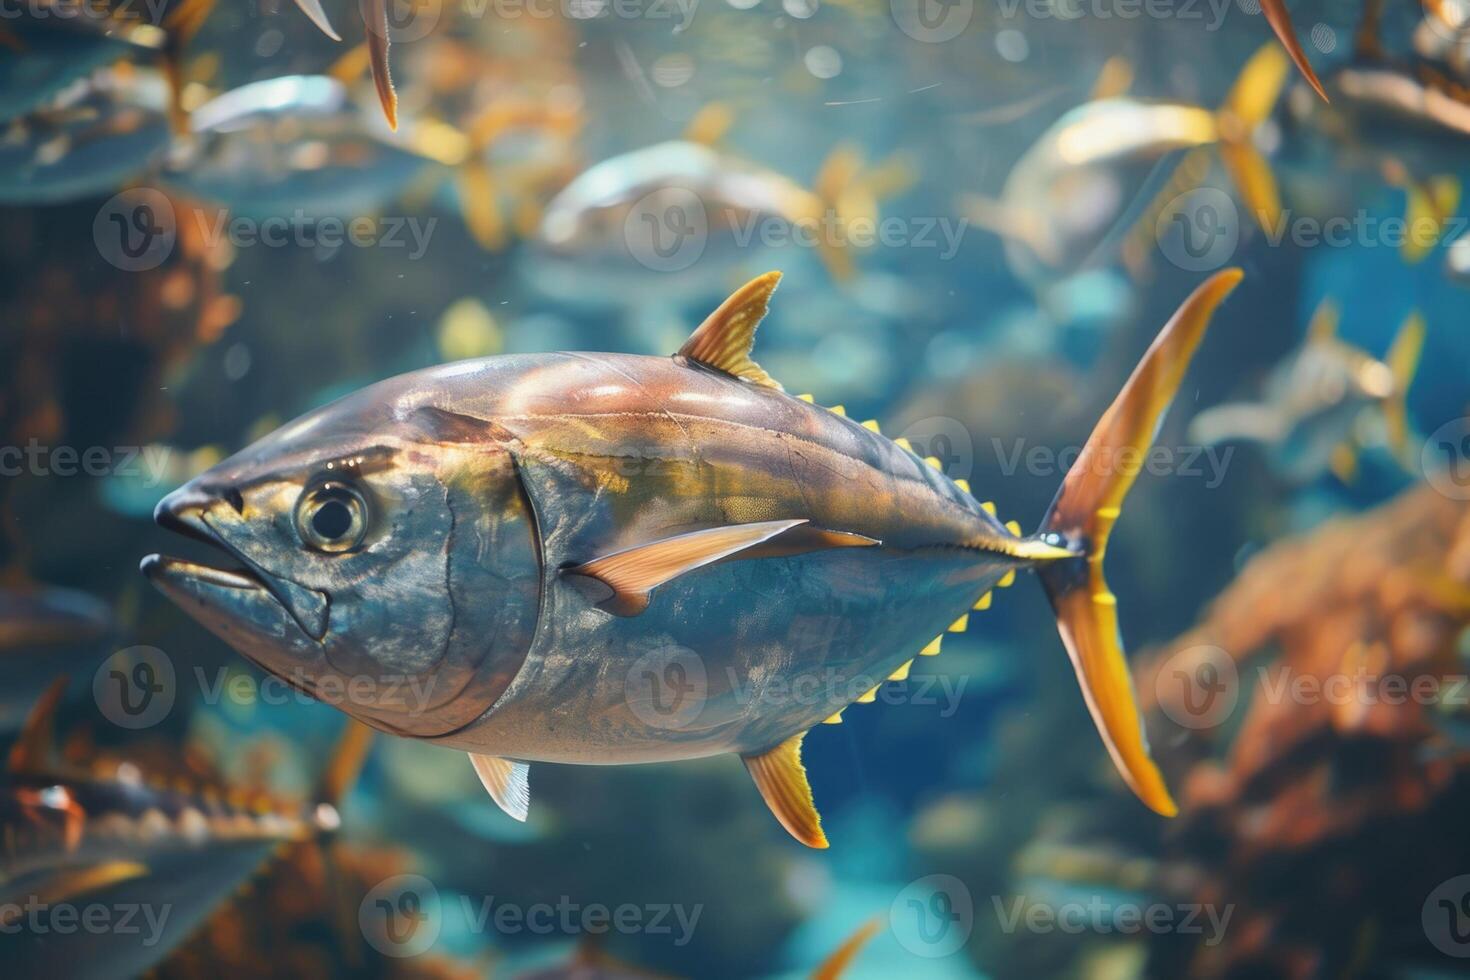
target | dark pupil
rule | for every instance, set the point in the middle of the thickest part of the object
(332, 520)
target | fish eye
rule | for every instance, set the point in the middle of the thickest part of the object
(332, 517)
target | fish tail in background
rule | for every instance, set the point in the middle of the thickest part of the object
(1081, 518)
(479, 190)
(835, 965)
(1280, 21)
(1403, 361)
(1429, 204)
(1251, 101)
(849, 191)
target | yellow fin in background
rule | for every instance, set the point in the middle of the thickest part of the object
(1344, 462)
(31, 751)
(635, 572)
(1323, 325)
(781, 779)
(1280, 21)
(710, 124)
(1428, 205)
(1251, 101)
(1403, 361)
(1115, 79)
(508, 783)
(723, 341)
(835, 965)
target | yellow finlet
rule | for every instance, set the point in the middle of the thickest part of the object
(988, 507)
(838, 410)
(833, 720)
(934, 462)
(781, 779)
(724, 339)
(872, 426)
(963, 484)
(903, 443)
(984, 601)
(932, 648)
(1014, 527)
(1007, 580)
(961, 624)
(870, 697)
(806, 398)
(902, 673)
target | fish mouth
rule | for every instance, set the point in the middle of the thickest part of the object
(235, 586)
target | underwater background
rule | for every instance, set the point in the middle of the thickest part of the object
(597, 175)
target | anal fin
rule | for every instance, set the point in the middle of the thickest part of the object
(508, 783)
(781, 779)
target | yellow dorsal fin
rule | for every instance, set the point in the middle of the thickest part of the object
(781, 779)
(32, 749)
(1115, 79)
(1323, 325)
(984, 601)
(933, 647)
(724, 339)
(710, 124)
(902, 673)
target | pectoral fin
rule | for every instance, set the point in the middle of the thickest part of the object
(508, 783)
(781, 779)
(635, 572)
